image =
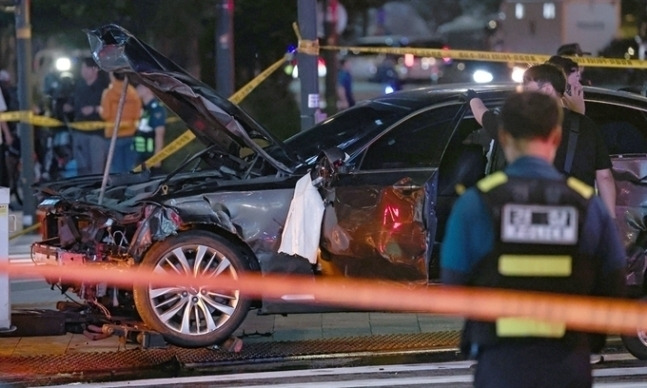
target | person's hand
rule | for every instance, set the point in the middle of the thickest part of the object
(8, 139)
(5, 134)
(470, 94)
(574, 99)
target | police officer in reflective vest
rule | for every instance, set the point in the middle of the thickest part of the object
(530, 228)
(149, 138)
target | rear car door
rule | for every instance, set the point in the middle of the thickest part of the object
(623, 124)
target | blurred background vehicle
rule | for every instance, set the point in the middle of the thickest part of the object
(482, 72)
(407, 68)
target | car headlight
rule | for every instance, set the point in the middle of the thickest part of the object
(517, 74)
(482, 76)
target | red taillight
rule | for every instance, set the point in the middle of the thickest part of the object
(446, 59)
(408, 60)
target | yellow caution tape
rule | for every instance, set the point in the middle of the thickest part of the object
(310, 47)
(243, 92)
(46, 121)
(12, 116)
(89, 125)
(24, 231)
(491, 56)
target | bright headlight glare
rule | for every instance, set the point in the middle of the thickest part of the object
(63, 64)
(517, 74)
(482, 76)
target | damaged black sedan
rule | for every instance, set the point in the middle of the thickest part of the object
(384, 174)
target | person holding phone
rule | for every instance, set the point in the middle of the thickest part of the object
(573, 97)
(582, 153)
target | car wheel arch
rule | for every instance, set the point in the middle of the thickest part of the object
(232, 238)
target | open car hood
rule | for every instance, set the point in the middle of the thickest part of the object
(212, 118)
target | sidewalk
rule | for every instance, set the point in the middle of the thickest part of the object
(36, 294)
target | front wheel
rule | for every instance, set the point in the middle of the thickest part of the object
(193, 316)
(636, 344)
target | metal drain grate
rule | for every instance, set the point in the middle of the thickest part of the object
(377, 344)
(80, 366)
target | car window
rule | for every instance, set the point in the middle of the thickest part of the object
(347, 130)
(418, 141)
(624, 129)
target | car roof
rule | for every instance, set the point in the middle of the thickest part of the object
(425, 96)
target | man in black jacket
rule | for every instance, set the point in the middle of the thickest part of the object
(582, 152)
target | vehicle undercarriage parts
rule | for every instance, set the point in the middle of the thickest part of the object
(135, 333)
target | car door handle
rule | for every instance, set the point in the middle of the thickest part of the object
(406, 187)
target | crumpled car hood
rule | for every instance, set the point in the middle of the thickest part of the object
(212, 118)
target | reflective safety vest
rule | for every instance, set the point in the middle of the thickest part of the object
(144, 142)
(538, 226)
(153, 115)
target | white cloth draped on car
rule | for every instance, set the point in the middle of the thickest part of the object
(302, 230)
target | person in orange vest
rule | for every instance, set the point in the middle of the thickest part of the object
(123, 159)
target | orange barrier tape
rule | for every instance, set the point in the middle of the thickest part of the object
(577, 312)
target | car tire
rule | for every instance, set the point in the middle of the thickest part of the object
(195, 317)
(636, 345)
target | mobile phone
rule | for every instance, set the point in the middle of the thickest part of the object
(568, 89)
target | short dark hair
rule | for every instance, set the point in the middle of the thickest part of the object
(530, 114)
(89, 62)
(571, 49)
(119, 76)
(568, 65)
(547, 72)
